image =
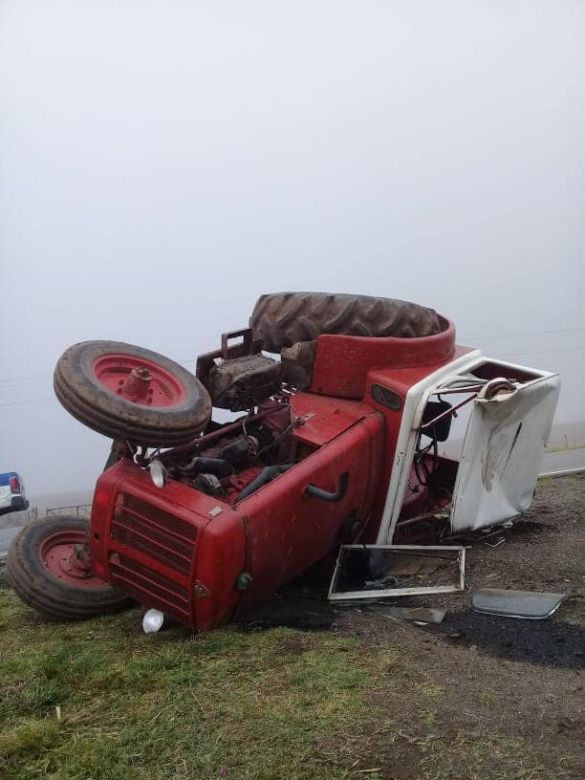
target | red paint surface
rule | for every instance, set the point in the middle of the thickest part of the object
(342, 363)
(181, 551)
(113, 372)
(164, 548)
(288, 530)
(58, 556)
(130, 549)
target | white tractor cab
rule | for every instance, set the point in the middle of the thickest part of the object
(509, 409)
(484, 474)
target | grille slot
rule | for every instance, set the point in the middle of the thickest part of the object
(148, 586)
(160, 535)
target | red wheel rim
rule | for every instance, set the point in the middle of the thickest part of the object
(139, 380)
(62, 554)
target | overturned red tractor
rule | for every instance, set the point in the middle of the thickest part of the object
(347, 438)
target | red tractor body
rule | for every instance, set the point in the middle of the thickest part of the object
(197, 557)
(345, 440)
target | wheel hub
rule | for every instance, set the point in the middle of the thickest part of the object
(77, 564)
(64, 554)
(138, 380)
(136, 386)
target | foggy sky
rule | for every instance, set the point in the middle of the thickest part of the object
(164, 163)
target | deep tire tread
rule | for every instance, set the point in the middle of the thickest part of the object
(283, 319)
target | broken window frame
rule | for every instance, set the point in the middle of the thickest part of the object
(362, 595)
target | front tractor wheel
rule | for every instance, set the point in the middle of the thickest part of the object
(127, 392)
(48, 567)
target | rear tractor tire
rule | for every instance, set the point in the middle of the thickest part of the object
(284, 319)
(48, 569)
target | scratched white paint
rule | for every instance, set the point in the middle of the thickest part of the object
(502, 448)
(502, 453)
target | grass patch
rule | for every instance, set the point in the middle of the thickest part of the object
(431, 690)
(494, 757)
(100, 700)
(485, 697)
(226, 704)
(428, 717)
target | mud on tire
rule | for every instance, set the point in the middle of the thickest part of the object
(77, 385)
(41, 589)
(283, 319)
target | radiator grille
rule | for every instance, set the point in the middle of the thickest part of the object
(160, 535)
(150, 587)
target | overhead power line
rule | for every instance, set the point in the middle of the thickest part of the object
(23, 403)
(191, 361)
(507, 355)
(17, 380)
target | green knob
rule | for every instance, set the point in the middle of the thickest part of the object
(244, 580)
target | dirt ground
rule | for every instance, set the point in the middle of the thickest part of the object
(473, 698)
(476, 696)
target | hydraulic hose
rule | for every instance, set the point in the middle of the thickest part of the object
(268, 473)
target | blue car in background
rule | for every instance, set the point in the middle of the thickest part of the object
(12, 497)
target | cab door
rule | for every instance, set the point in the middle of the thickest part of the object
(502, 453)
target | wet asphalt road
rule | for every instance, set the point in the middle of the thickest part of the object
(565, 459)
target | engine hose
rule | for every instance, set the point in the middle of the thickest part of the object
(267, 473)
(217, 466)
